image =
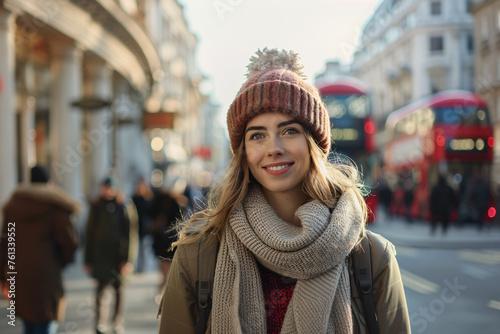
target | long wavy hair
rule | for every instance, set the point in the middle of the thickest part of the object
(326, 181)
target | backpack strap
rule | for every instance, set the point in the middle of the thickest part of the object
(362, 267)
(204, 284)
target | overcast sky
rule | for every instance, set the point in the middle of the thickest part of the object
(230, 31)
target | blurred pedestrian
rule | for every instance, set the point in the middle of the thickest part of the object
(398, 199)
(408, 199)
(284, 220)
(110, 251)
(443, 201)
(165, 212)
(142, 198)
(38, 231)
(385, 194)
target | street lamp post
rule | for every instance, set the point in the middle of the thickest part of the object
(94, 104)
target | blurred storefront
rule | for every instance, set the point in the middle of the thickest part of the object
(86, 84)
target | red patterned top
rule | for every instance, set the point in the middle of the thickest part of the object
(278, 291)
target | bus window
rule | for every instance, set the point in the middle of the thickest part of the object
(358, 105)
(461, 115)
(336, 109)
(448, 115)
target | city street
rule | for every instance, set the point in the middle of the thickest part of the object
(451, 281)
(449, 289)
(140, 293)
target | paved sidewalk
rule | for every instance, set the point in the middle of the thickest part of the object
(418, 234)
(140, 306)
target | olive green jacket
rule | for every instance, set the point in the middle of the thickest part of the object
(178, 309)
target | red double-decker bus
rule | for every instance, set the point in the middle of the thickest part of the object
(349, 107)
(353, 133)
(448, 133)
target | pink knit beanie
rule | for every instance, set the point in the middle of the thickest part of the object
(275, 84)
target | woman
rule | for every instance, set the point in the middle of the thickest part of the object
(286, 219)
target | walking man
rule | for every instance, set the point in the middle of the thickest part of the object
(110, 251)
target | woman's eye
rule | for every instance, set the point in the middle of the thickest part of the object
(291, 131)
(256, 136)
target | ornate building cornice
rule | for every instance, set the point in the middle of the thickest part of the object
(100, 26)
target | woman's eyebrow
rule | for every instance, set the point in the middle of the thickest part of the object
(282, 124)
(293, 121)
(255, 128)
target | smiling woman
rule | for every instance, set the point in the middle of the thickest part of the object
(277, 152)
(278, 157)
(284, 220)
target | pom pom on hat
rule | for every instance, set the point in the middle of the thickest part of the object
(275, 83)
(268, 59)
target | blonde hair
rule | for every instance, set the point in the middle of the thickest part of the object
(326, 181)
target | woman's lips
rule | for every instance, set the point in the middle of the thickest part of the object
(278, 168)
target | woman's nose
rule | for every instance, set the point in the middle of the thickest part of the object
(275, 147)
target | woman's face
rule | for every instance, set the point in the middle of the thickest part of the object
(277, 152)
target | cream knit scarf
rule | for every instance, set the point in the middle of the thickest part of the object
(315, 254)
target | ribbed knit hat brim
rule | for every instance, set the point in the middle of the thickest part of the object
(293, 97)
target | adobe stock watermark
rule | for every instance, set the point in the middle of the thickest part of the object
(85, 309)
(222, 7)
(420, 320)
(124, 105)
(485, 85)
(372, 30)
(30, 26)
(88, 308)
(74, 156)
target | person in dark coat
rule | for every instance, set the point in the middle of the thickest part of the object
(408, 199)
(165, 212)
(442, 202)
(142, 198)
(110, 250)
(385, 194)
(39, 240)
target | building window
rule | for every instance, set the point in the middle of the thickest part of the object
(470, 43)
(468, 5)
(437, 44)
(436, 8)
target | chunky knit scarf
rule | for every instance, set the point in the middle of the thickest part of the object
(315, 254)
